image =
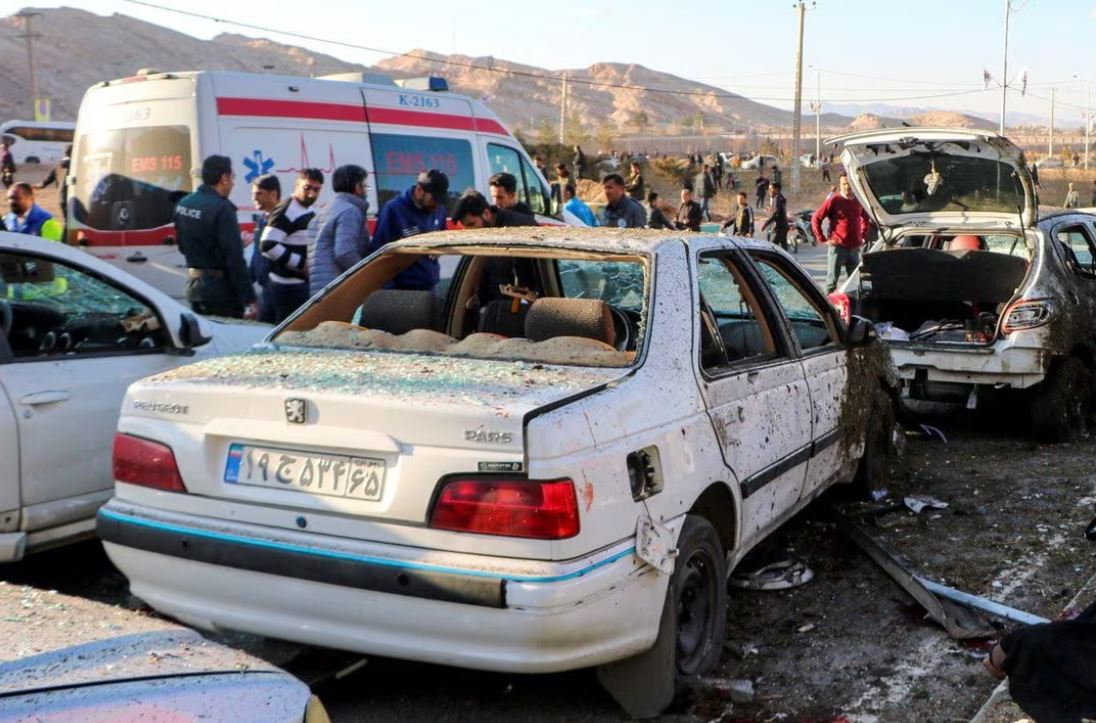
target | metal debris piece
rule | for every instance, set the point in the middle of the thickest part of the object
(960, 622)
(805, 628)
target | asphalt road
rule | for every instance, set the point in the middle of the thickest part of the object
(849, 643)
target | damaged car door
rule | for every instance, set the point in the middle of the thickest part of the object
(813, 327)
(754, 388)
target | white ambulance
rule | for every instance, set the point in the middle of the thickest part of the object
(140, 142)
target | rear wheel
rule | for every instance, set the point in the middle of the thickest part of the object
(1061, 404)
(691, 628)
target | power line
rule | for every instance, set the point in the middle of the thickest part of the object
(571, 80)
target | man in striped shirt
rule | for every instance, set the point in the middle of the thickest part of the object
(284, 244)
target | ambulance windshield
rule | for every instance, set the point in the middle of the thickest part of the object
(129, 179)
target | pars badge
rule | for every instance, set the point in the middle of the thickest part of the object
(296, 411)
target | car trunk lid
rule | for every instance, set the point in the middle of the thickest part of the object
(940, 177)
(351, 432)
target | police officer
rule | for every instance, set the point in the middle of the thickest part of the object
(209, 237)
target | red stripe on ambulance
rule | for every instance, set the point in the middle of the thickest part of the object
(341, 112)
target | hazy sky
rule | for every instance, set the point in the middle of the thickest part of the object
(868, 50)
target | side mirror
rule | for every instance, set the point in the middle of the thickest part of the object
(861, 332)
(190, 332)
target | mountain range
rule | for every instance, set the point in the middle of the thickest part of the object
(631, 97)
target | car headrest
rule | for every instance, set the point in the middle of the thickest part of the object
(551, 317)
(398, 311)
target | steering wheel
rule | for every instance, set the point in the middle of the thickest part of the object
(622, 325)
(6, 317)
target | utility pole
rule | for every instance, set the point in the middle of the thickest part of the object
(817, 108)
(801, 7)
(1004, 70)
(563, 111)
(1050, 141)
(1088, 112)
(30, 37)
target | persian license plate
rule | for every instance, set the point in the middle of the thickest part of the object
(359, 478)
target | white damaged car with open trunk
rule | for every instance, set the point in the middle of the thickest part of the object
(974, 294)
(550, 462)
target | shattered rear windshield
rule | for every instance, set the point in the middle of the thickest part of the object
(540, 305)
(923, 182)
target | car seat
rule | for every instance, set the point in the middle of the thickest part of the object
(398, 311)
(552, 317)
(499, 317)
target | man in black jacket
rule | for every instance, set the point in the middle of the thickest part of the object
(688, 213)
(209, 238)
(778, 219)
(504, 192)
(741, 223)
(656, 219)
(473, 211)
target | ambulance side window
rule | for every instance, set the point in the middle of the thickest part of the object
(398, 159)
(539, 197)
(505, 159)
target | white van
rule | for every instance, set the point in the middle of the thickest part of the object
(37, 142)
(140, 142)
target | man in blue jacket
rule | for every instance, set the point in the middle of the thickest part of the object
(419, 209)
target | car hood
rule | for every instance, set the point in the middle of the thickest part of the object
(939, 177)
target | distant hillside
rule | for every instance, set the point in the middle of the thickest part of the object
(78, 49)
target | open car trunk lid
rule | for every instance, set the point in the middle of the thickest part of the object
(349, 432)
(939, 177)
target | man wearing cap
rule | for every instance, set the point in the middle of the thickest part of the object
(419, 209)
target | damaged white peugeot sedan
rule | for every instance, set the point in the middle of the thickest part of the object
(975, 296)
(552, 463)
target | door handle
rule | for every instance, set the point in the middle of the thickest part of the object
(751, 376)
(48, 397)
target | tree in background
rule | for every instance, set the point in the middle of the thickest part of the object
(640, 121)
(604, 137)
(576, 134)
(546, 132)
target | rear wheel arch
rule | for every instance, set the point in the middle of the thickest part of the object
(717, 505)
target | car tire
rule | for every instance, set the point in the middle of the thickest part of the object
(31, 160)
(691, 630)
(1062, 402)
(873, 470)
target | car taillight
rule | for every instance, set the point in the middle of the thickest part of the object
(1027, 314)
(144, 462)
(840, 301)
(545, 510)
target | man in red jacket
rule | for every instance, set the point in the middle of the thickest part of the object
(849, 223)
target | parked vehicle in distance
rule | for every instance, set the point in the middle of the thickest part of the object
(1050, 162)
(37, 141)
(74, 333)
(509, 477)
(162, 675)
(753, 164)
(975, 296)
(139, 141)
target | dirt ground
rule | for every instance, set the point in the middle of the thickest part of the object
(849, 646)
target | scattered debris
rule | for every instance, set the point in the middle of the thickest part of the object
(926, 431)
(742, 691)
(805, 628)
(920, 502)
(741, 650)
